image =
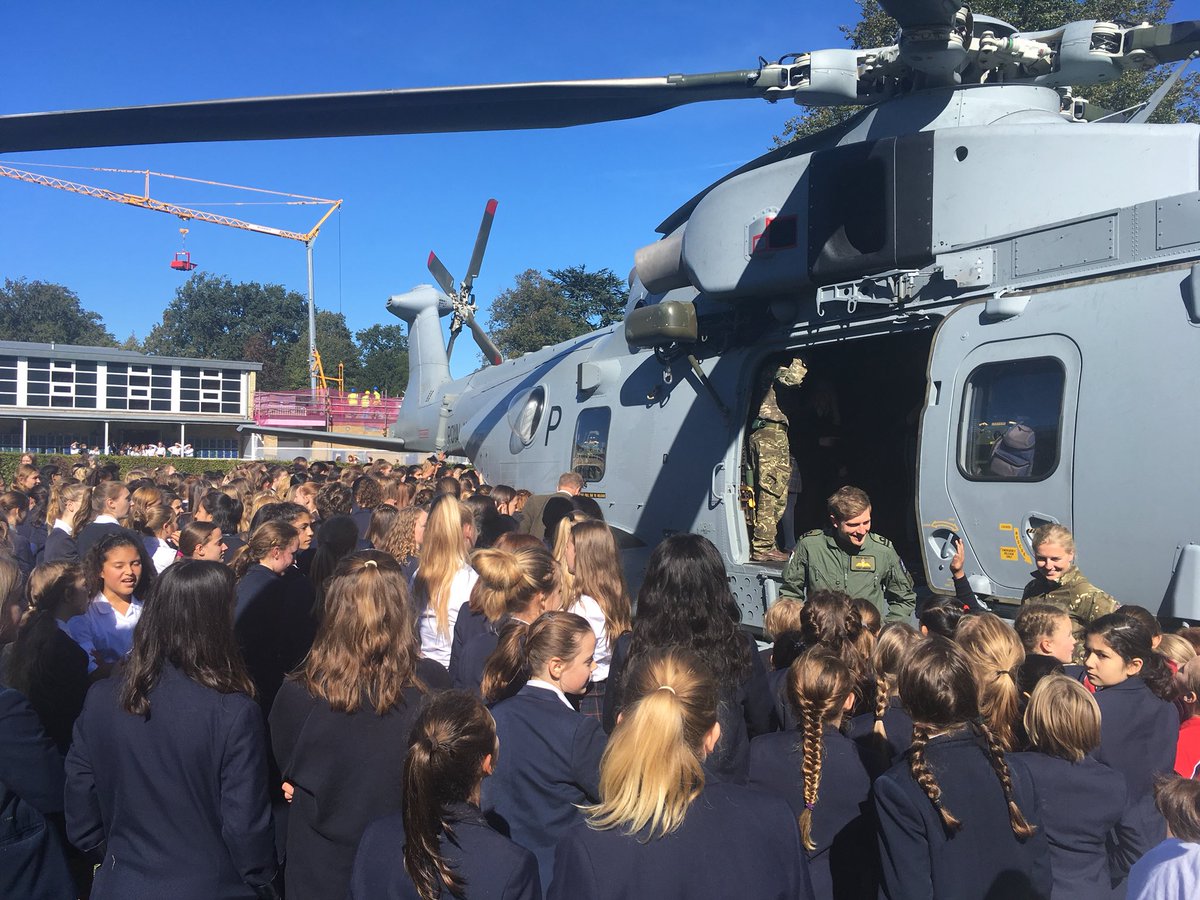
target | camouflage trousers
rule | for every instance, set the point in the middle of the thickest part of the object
(769, 459)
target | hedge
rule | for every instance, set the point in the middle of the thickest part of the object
(188, 466)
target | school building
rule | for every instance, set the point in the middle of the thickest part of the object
(52, 395)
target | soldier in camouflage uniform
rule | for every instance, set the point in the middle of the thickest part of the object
(1058, 581)
(770, 459)
(851, 558)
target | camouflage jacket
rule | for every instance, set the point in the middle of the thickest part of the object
(874, 573)
(791, 375)
(1083, 601)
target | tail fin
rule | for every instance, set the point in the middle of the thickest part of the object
(428, 364)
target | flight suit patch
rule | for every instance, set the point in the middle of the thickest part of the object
(863, 564)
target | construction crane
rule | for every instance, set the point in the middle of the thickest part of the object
(327, 380)
(182, 261)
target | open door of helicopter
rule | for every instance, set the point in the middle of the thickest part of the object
(996, 444)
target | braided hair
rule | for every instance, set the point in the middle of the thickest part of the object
(818, 685)
(938, 688)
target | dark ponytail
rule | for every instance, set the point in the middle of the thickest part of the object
(524, 649)
(450, 741)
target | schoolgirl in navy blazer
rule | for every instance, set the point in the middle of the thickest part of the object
(549, 762)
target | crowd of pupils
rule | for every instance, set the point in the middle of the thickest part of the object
(389, 682)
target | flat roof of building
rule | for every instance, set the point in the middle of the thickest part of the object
(111, 354)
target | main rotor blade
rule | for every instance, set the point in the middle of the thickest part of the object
(441, 275)
(490, 350)
(1169, 42)
(481, 239)
(494, 107)
(911, 13)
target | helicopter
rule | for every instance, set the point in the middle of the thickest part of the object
(968, 255)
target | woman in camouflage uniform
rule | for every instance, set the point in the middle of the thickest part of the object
(1058, 581)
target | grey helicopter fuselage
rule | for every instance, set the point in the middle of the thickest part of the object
(945, 287)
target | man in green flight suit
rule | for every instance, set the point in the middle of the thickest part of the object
(770, 458)
(848, 557)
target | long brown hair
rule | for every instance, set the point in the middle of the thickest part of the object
(451, 738)
(818, 684)
(265, 538)
(63, 492)
(190, 627)
(366, 647)
(831, 619)
(400, 540)
(938, 689)
(598, 575)
(525, 649)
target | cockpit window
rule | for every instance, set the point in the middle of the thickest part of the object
(591, 443)
(1012, 420)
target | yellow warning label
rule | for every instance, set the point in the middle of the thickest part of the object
(1008, 554)
(1006, 526)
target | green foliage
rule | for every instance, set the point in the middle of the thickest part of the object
(48, 313)
(212, 318)
(9, 461)
(542, 310)
(335, 345)
(875, 28)
(384, 358)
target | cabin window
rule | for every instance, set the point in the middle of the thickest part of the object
(1012, 420)
(591, 443)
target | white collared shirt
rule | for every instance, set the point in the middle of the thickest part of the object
(104, 630)
(590, 609)
(434, 645)
(546, 685)
(105, 519)
(64, 525)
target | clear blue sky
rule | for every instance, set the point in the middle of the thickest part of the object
(589, 195)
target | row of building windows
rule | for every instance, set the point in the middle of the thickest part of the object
(75, 384)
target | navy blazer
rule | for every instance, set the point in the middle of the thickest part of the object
(984, 859)
(347, 770)
(174, 803)
(1081, 804)
(1138, 737)
(845, 861)
(467, 625)
(60, 547)
(881, 753)
(93, 532)
(746, 710)
(491, 865)
(734, 842)
(549, 762)
(468, 675)
(32, 863)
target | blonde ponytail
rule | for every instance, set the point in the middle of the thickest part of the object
(652, 768)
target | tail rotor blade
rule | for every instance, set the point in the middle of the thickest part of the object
(450, 345)
(485, 229)
(490, 350)
(442, 275)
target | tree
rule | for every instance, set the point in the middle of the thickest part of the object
(212, 318)
(876, 28)
(335, 345)
(132, 343)
(542, 310)
(383, 352)
(49, 314)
